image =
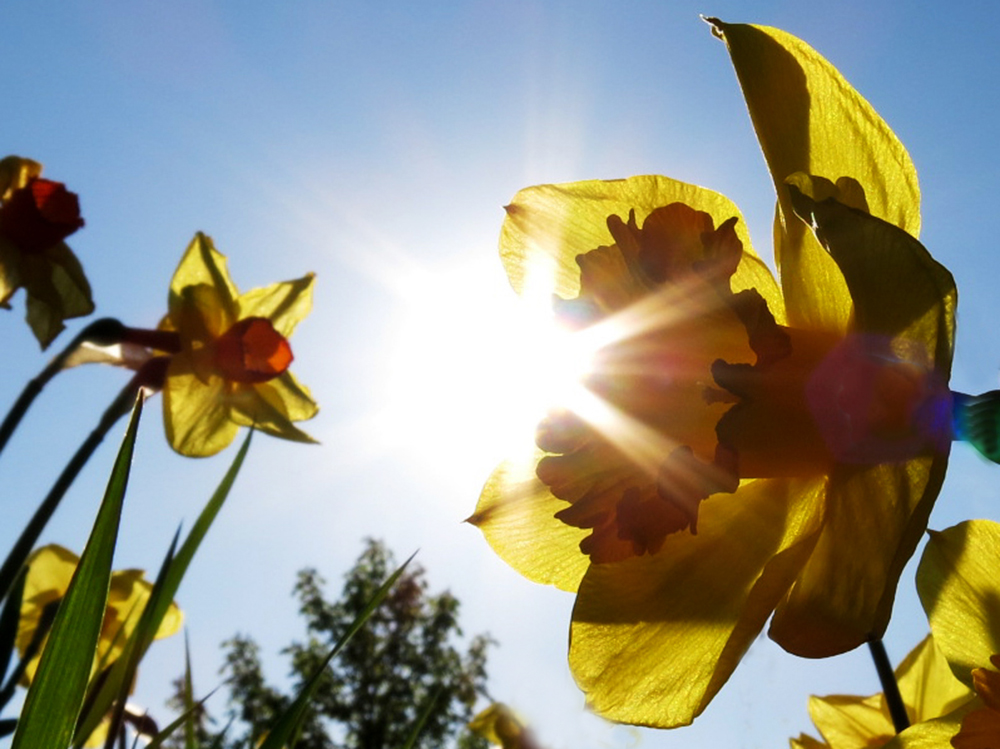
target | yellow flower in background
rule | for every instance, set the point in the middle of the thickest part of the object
(231, 369)
(499, 725)
(50, 570)
(738, 450)
(36, 215)
(959, 588)
(927, 686)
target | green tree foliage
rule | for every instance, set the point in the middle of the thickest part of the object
(374, 693)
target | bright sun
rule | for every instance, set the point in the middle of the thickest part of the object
(474, 366)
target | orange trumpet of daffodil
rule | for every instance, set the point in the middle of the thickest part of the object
(739, 449)
(36, 215)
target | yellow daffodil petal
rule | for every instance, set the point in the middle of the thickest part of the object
(807, 742)
(874, 518)
(516, 513)
(284, 304)
(846, 591)
(547, 226)
(202, 264)
(899, 290)
(846, 721)
(15, 173)
(932, 734)
(927, 684)
(809, 119)
(265, 406)
(196, 413)
(655, 637)
(957, 583)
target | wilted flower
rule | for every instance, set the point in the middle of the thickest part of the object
(36, 215)
(738, 450)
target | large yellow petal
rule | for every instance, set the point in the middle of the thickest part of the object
(809, 119)
(927, 685)
(547, 226)
(285, 304)
(960, 591)
(848, 722)
(195, 413)
(898, 289)
(203, 264)
(263, 407)
(874, 519)
(516, 513)
(655, 637)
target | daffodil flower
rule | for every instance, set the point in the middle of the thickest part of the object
(223, 356)
(960, 592)
(36, 215)
(929, 691)
(739, 449)
(50, 569)
(499, 725)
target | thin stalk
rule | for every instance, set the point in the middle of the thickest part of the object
(889, 686)
(98, 331)
(150, 373)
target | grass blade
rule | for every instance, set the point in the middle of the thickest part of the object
(53, 702)
(281, 735)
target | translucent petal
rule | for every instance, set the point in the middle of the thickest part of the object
(203, 264)
(284, 304)
(195, 414)
(262, 407)
(655, 637)
(959, 589)
(516, 513)
(847, 721)
(874, 519)
(547, 226)
(898, 289)
(927, 684)
(809, 119)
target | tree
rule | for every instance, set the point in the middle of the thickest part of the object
(374, 692)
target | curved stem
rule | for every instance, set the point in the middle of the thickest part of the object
(890, 688)
(105, 329)
(118, 408)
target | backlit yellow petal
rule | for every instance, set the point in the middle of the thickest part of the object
(196, 414)
(958, 586)
(547, 226)
(516, 513)
(875, 515)
(262, 406)
(655, 637)
(848, 722)
(809, 119)
(203, 264)
(284, 304)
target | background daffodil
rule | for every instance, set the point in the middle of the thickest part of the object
(960, 592)
(744, 450)
(231, 368)
(499, 725)
(50, 570)
(36, 215)
(927, 686)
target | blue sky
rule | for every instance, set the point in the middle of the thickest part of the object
(375, 144)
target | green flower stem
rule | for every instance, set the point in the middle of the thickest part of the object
(890, 688)
(150, 375)
(104, 331)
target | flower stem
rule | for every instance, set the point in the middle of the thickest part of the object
(98, 331)
(889, 686)
(118, 408)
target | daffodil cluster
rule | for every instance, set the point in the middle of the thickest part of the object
(744, 448)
